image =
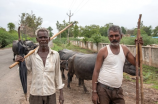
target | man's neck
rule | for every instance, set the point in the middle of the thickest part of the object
(43, 49)
(114, 47)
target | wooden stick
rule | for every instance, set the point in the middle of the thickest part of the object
(140, 60)
(31, 52)
(137, 60)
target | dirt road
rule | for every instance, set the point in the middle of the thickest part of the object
(11, 90)
(10, 85)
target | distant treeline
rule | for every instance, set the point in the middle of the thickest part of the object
(89, 31)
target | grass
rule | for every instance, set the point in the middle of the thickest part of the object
(58, 46)
(150, 76)
(8, 46)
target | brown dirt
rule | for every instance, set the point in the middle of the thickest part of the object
(76, 95)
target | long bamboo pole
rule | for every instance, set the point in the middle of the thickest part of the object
(140, 62)
(137, 60)
(31, 52)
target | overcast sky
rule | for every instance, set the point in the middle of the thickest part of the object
(86, 12)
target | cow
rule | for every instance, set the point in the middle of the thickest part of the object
(83, 65)
(29, 45)
(64, 56)
(63, 65)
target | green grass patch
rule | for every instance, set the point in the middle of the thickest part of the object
(62, 44)
(126, 76)
(56, 47)
(8, 46)
(150, 76)
(78, 49)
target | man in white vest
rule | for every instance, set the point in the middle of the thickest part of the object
(108, 72)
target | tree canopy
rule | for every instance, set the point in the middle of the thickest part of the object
(30, 22)
(11, 26)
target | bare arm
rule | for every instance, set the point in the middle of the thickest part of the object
(100, 57)
(129, 56)
(98, 65)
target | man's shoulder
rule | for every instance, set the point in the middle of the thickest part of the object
(103, 48)
(55, 52)
(124, 47)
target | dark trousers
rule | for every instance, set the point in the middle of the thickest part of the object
(51, 99)
(108, 95)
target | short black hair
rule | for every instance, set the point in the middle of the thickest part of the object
(115, 28)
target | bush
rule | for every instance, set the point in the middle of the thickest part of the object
(85, 39)
(128, 40)
(104, 39)
(96, 38)
(7, 38)
(149, 40)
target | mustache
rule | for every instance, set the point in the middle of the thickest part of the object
(114, 41)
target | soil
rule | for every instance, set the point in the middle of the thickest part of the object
(76, 95)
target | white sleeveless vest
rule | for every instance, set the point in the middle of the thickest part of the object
(111, 72)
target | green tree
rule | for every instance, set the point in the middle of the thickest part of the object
(61, 26)
(50, 31)
(123, 30)
(11, 27)
(155, 31)
(96, 39)
(103, 31)
(31, 21)
(88, 31)
(147, 29)
(76, 31)
(85, 39)
(141, 31)
(130, 31)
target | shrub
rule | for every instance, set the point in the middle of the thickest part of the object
(7, 38)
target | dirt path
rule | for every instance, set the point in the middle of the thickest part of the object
(75, 95)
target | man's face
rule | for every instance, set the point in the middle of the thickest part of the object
(114, 38)
(43, 38)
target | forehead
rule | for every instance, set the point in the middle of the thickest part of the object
(113, 32)
(42, 33)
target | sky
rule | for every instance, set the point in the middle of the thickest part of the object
(86, 12)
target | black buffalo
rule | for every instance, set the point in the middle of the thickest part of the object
(65, 54)
(63, 65)
(83, 65)
(29, 45)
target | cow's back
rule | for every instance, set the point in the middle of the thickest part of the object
(84, 65)
(65, 54)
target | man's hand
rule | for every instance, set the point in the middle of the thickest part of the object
(61, 97)
(19, 58)
(140, 40)
(95, 98)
